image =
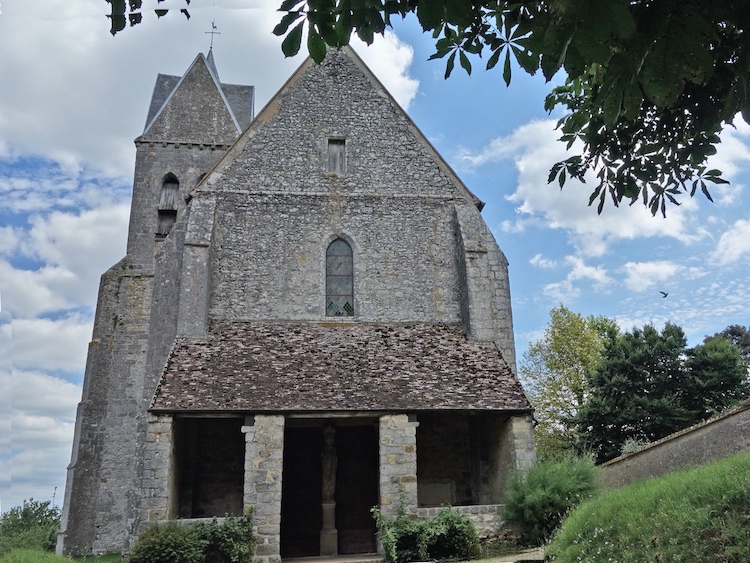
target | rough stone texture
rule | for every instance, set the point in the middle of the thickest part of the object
(341, 366)
(134, 329)
(487, 518)
(719, 437)
(158, 478)
(178, 121)
(247, 250)
(264, 452)
(398, 463)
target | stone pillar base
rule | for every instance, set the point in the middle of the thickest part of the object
(329, 536)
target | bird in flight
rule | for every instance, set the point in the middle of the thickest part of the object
(664, 294)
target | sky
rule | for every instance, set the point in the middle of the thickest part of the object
(73, 98)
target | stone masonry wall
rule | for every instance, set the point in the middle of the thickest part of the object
(714, 439)
(484, 283)
(154, 160)
(264, 453)
(158, 475)
(487, 518)
(398, 463)
(403, 248)
(103, 487)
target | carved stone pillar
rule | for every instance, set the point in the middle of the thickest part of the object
(329, 537)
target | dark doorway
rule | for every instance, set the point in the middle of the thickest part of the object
(301, 517)
(356, 487)
(210, 456)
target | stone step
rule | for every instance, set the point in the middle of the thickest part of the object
(353, 558)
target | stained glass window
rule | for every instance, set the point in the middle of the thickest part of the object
(339, 280)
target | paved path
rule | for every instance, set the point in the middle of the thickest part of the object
(528, 555)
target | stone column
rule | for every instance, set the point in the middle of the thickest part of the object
(264, 449)
(157, 486)
(329, 536)
(398, 462)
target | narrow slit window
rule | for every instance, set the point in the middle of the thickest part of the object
(339, 280)
(167, 209)
(336, 156)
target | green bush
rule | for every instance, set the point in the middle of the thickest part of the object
(33, 525)
(168, 543)
(230, 541)
(697, 515)
(537, 502)
(449, 535)
(32, 556)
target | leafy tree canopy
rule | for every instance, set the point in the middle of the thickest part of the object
(740, 337)
(554, 373)
(649, 84)
(648, 385)
(32, 525)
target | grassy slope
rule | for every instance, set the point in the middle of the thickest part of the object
(697, 515)
(38, 556)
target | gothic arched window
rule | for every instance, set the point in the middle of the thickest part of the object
(339, 279)
(170, 191)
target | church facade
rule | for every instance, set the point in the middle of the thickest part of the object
(312, 319)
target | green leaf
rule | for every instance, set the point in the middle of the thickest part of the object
(465, 62)
(292, 42)
(285, 22)
(160, 13)
(506, 68)
(430, 13)
(449, 65)
(287, 5)
(315, 45)
(492, 61)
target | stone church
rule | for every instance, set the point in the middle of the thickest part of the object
(312, 319)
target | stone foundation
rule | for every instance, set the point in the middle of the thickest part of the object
(487, 518)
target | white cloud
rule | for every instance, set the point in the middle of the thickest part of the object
(541, 262)
(46, 344)
(534, 148)
(42, 433)
(733, 244)
(75, 248)
(566, 290)
(389, 59)
(641, 276)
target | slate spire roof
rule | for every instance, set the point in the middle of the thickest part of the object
(225, 109)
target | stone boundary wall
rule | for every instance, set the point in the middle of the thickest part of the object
(487, 518)
(716, 438)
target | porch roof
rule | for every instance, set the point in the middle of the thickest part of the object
(292, 367)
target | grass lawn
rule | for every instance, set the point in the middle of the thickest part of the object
(38, 556)
(698, 515)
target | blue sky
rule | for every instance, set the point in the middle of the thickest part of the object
(72, 99)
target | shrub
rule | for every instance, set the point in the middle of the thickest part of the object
(168, 543)
(230, 541)
(402, 538)
(33, 525)
(537, 502)
(449, 535)
(702, 514)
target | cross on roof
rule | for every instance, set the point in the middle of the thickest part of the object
(212, 33)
